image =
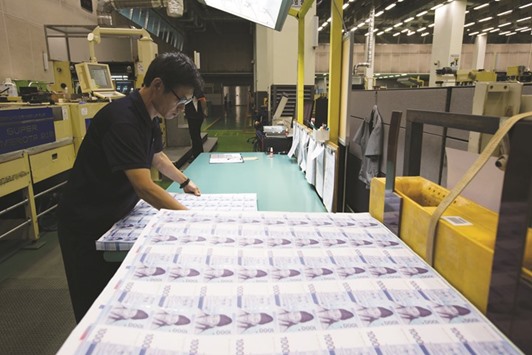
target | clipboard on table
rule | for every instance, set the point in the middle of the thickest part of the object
(226, 158)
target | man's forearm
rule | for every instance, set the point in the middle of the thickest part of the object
(162, 163)
(159, 198)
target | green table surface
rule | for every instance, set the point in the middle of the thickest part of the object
(278, 181)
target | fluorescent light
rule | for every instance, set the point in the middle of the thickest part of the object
(524, 19)
(474, 33)
(505, 32)
(353, 29)
(421, 29)
(360, 25)
(396, 34)
(431, 25)
(397, 24)
(469, 24)
(481, 6)
(485, 19)
(389, 7)
(409, 19)
(405, 30)
(487, 29)
(505, 13)
(522, 29)
(424, 34)
(410, 33)
(381, 32)
(329, 19)
(495, 30)
(375, 30)
(346, 5)
(388, 29)
(379, 13)
(421, 13)
(436, 7)
(505, 24)
(527, 5)
(510, 34)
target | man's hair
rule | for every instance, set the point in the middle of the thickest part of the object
(174, 69)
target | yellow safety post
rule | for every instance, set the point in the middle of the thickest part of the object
(300, 15)
(335, 69)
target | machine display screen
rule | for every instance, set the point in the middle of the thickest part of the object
(100, 76)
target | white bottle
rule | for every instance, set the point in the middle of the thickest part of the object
(12, 88)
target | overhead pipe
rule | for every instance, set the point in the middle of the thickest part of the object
(174, 8)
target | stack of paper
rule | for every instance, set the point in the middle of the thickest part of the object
(274, 283)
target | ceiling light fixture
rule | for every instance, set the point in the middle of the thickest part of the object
(388, 29)
(505, 24)
(505, 13)
(485, 19)
(474, 33)
(469, 24)
(424, 34)
(436, 7)
(379, 13)
(389, 7)
(527, 5)
(524, 19)
(397, 24)
(421, 13)
(346, 5)
(481, 6)
(396, 34)
(409, 19)
(495, 30)
(421, 29)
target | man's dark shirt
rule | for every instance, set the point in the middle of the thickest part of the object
(121, 136)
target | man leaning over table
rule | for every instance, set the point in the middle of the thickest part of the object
(112, 172)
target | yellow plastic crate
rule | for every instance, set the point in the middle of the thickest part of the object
(463, 254)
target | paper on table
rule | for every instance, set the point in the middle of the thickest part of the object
(225, 158)
(328, 181)
(320, 171)
(310, 173)
(312, 282)
(295, 141)
(303, 146)
(458, 161)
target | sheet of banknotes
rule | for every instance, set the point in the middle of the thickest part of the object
(125, 232)
(207, 282)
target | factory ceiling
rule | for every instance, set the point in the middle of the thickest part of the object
(396, 21)
(411, 21)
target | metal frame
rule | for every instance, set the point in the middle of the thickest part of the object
(510, 294)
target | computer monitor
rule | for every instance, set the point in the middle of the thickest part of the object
(269, 13)
(96, 78)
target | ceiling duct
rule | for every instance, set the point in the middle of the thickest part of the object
(174, 8)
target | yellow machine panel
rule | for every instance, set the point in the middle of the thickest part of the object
(63, 128)
(51, 162)
(14, 172)
(80, 115)
(464, 250)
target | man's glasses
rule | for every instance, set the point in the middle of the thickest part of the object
(181, 100)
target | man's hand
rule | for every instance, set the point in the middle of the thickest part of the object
(191, 188)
